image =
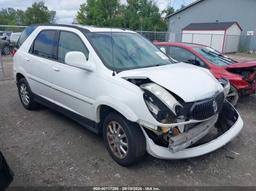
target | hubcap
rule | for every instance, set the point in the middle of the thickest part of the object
(24, 94)
(117, 139)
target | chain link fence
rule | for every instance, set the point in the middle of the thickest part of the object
(226, 44)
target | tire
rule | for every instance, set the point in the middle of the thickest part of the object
(233, 96)
(6, 50)
(129, 133)
(25, 95)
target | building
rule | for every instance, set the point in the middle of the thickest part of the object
(210, 11)
(222, 36)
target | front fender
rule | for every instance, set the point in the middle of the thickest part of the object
(115, 104)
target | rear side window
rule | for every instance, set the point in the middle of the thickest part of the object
(70, 42)
(25, 34)
(46, 44)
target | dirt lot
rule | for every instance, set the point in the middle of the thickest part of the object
(46, 149)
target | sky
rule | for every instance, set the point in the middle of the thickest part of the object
(66, 9)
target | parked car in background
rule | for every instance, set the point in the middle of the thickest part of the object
(242, 75)
(5, 35)
(5, 47)
(115, 82)
(15, 37)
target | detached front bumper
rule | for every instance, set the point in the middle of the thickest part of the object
(228, 116)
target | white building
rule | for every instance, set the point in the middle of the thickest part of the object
(222, 36)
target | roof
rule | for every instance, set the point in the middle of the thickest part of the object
(185, 8)
(211, 26)
(87, 28)
(102, 29)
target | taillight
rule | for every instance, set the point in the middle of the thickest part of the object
(13, 51)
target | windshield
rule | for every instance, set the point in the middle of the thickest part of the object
(214, 56)
(123, 51)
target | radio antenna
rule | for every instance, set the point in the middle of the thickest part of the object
(112, 52)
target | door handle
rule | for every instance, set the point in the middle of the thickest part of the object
(27, 59)
(56, 69)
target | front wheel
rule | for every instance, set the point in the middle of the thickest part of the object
(233, 95)
(124, 140)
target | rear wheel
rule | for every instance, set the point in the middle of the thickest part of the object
(124, 140)
(233, 95)
(6, 50)
(25, 94)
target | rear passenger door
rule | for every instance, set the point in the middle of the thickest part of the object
(39, 63)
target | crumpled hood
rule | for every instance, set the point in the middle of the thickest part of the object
(249, 64)
(191, 83)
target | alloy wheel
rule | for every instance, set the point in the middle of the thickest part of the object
(233, 96)
(24, 94)
(6, 50)
(117, 139)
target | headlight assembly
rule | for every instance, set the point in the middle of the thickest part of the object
(162, 105)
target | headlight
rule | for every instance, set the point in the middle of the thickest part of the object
(162, 105)
(226, 85)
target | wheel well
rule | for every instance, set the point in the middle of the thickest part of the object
(19, 76)
(103, 111)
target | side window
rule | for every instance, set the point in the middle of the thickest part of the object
(25, 34)
(70, 42)
(182, 55)
(45, 44)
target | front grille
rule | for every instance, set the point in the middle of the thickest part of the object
(206, 109)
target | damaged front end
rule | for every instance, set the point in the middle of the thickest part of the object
(248, 84)
(186, 130)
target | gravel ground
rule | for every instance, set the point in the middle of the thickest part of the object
(44, 148)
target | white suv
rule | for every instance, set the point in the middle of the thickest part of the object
(117, 83)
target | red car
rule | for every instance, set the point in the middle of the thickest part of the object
(242, 75)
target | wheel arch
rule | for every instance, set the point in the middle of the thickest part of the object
(102, 108)
(19, 76)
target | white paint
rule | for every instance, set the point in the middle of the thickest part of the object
(232, 39)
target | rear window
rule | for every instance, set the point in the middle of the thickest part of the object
(25, 34)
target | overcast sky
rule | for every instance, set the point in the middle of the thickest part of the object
(67, 9)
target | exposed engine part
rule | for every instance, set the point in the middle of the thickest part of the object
(138, 81)
(249, 74)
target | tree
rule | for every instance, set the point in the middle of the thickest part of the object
(136, 15)
(38, 13)
(9, 16)
(143, 15)
(168, 11)
(100, 13)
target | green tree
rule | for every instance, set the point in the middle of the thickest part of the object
(8, 16)
(100, 13)
(168, 11)
(136, 15)
(143, 15)
(38, 13)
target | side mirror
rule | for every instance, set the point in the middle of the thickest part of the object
(78, 60)
(163, 50)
